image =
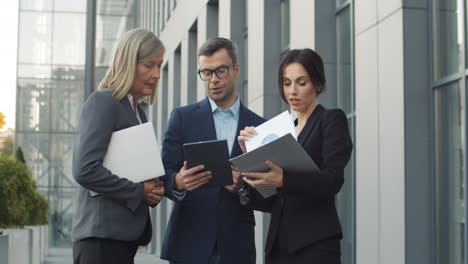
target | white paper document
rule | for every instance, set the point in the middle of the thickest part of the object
(274, 128)
(134, 154)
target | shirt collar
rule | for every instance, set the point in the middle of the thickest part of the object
(130, 98)
(234, 108)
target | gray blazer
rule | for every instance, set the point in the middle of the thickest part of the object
(119, 212)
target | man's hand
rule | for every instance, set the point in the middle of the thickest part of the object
(236, 178)
(191, 179)
(153, 191)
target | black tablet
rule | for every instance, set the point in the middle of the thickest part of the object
(214, 154)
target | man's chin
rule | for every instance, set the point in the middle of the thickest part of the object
(217, 97)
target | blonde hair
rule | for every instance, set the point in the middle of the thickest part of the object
(135, 46)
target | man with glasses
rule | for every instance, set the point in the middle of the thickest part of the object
(208, 225)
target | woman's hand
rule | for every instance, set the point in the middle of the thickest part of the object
(236, 179)
(244, 135)
(272, 178)
(153, 191)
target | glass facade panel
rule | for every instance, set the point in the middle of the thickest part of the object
(35, 37)
(447, 41)
(49, 98)
(34, 71)
(343, 64)
(36, 5)
(345, 202)
(70, 6)
(340, 3)
(113, 7)
(449, 121)
(285, 22)
(69, 36)
(36, 145)
(345, 199)
(66, 106)
(113, 19)
(33, 105)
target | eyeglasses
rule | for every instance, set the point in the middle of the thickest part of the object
(221, 72)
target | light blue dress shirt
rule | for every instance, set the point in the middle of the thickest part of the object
(226, 122)
(226, 127)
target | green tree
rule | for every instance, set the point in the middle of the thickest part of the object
(20, 202)
(2, 120)
(8, 145)
(19, 155)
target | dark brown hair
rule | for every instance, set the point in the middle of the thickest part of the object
(311, 62)
(214, 44)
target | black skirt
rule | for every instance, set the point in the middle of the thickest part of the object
(325, 251)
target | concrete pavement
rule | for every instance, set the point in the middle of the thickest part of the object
(64, 256)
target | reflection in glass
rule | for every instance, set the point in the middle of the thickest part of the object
(69, 36)
(49, 98)
(343, 64)
(284, 24)
(449, 174)
(36, 5)
(345, 96)
(345, 201)
(69, 6)
(33, 105)
(113, 19)
(35, 37)
(447, 42)
(340, 3)
(34, 71)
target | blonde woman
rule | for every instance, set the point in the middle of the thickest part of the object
(108, 228)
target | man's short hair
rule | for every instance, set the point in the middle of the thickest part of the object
(215, 44)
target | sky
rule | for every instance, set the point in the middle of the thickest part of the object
(8, 51)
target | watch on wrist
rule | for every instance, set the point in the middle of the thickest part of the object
(243, 195)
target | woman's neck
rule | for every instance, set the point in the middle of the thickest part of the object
(303, 116)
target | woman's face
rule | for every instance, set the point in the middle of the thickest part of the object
(298, 89)
(147, 75)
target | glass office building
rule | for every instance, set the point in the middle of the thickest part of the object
(397, 68)
(52, 85)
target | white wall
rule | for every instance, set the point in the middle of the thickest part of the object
(380, 177)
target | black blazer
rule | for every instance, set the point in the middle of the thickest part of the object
(303, 211)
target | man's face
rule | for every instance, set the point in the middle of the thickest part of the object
(221, 90)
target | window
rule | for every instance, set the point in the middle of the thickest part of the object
(449, 91)
(345, 101)
(449, 173)
(285, 22)
(245, 51)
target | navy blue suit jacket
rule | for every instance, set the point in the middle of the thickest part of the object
(205, 215)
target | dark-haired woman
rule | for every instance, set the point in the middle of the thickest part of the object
(304, 224)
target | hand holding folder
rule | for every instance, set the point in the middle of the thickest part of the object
(133, 153)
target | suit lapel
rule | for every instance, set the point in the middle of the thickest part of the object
(129, 109)
(142, 114)
(243, 122)
(205, 119)
(311, 121)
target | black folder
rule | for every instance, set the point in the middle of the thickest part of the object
(214, 154)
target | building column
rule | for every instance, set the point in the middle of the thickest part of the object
(207, 27)
(380, 142)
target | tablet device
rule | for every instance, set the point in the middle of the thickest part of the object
(214, 154)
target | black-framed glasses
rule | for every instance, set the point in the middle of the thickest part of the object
(221, 72)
